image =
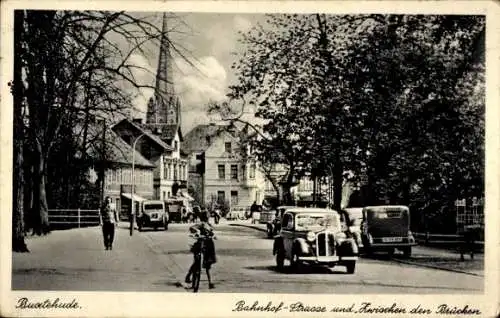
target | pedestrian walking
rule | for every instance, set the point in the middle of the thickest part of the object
(108, 220)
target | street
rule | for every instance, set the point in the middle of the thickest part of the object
(158, 260)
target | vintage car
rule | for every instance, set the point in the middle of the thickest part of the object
(314, 236)
(274, 225)
(354, 218)
(152, 214)
(236, 213)
(176, 209)
(386, 228)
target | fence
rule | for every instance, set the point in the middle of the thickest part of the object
(73, 217)
(441, 239)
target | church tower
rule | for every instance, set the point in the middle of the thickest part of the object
(164, 106)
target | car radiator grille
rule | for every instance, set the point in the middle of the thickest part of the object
(325, 244)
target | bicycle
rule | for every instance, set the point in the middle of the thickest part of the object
(198, 263)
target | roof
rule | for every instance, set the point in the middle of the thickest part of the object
(296, 210)
(147, 133)
(377, 207)
(287, 207)
(117, 150)
(201, 137)
(166, 132)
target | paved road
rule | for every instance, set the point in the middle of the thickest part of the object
(157, 261)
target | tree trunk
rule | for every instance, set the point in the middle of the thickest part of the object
(40, 207)
(338, 180)
(18, 243)
(287, 194)
(277, 189)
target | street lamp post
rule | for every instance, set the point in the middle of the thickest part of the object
(132, 191)
(231, 157)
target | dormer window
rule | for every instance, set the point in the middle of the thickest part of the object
(227, 147)
(176, 144)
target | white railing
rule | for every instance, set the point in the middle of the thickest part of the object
(77, 217)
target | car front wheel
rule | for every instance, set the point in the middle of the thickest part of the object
(280, 259)
(294, 261)
(269, 231)
(350, 266)
(407, 252)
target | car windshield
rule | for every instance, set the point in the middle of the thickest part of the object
(315, 221)
(157, 206)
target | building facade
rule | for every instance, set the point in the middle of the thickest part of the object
(228, 178)
(119, 178)
(170, 164)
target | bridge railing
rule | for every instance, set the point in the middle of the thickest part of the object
(74, 217)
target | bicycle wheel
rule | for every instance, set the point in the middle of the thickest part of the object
(197, 273)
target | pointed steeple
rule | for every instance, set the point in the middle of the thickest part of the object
(163, 107)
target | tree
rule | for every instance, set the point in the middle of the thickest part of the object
(372, 94)
(73, 70)
(18, 243)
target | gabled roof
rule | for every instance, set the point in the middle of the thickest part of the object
(164, 132)
(201, 137)
(117, 150)
(146, 132)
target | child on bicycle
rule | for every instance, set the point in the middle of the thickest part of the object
(203, 229)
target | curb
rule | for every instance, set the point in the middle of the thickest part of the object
(248, 226)
(436, 267)
(393, 259)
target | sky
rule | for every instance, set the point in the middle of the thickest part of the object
(209, 41)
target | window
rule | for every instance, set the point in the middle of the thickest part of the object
(243, 171)
(176, 144)
(227, 147)
(164, 196)
(165, 171)
(234, 198)
(175, 171)
(222, 171)
(234, 172)
(288, 221)
(221, 197)
(252, 171)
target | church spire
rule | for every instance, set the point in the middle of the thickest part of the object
(162, 107)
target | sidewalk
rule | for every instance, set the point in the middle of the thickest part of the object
(424, 256)
(76, 260)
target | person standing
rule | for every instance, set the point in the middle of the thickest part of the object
(108, 220)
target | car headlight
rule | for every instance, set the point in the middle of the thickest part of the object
(311, 236)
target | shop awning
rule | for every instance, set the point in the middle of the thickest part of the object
(187, 196)
(136, 197)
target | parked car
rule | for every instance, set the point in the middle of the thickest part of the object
(354, 218)
(266, 216)
(175, 209)
(152, 214)
(274, 226)
(236, 213)
(314, 236)
(387, 228)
